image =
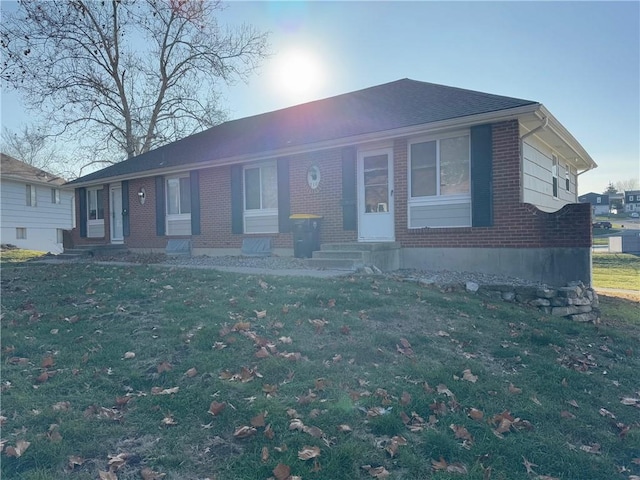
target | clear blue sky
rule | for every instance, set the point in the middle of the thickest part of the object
(580, 59)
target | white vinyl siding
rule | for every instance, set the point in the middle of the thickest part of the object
(538, 174)
(260, 198)
(435, 216)
(178, 192)
(39, 222)
(439, 181)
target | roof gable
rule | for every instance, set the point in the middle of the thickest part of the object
(400, 104)
(11, 168)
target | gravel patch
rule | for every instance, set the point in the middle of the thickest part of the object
(274, 263)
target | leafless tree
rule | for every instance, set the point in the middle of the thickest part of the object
(124, 76)
(35, 146)
(627, 185)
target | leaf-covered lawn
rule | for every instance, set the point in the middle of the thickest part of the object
(141, 372)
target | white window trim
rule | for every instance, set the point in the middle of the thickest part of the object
(173, 217)
(554, 175)
(32, 195)
(96, 221)
(437, 199)
(257, 212)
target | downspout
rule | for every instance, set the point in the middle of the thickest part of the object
(542, 126)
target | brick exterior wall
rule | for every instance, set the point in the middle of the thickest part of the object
(516, 225)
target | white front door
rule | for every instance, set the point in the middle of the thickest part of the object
(375, 196)
(117, 232)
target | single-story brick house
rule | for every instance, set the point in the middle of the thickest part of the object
(455, 179)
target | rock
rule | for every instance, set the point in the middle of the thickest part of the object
(423, 282)
(559, 302)
(367, 270)
(564, 311)
(584, 308)
(524, 294)
(544, 292)
(508, 296)
(472, 286)
(570, 292)
(376, 270)
(579, 301)
(540, 302)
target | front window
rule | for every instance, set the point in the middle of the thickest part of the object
(260, 187)
(95, 202)
(440, 167)
(21, 233)
(55, 195)
(178, 196)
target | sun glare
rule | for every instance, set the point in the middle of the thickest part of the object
(297, 75)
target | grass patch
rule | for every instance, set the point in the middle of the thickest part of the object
(17, 255)
(621, 270)
(116, 368)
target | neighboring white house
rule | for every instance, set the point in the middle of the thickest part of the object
(34, 208)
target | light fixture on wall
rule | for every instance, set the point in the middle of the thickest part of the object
(142, 195)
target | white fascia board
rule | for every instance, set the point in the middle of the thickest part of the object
(433, 127)
(569, 140)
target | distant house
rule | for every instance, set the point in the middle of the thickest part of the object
(599, 202)
(36, 208)
(448, 178)
(632, 201)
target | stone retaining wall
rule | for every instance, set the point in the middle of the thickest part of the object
(575, 301)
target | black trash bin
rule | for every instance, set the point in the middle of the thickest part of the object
(306, 234)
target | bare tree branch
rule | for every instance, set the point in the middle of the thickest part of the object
(125, 76)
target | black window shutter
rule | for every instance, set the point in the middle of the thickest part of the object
(194, 179)
(160, 206)
(237, 205)
(349, 203)
(82, 203)
(126, 225)
(284, 200)
(481, 176)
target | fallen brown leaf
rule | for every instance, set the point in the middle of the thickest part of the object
(308, 452)
(244, 432)
(216, 407)
(281, 472)
(148, 474)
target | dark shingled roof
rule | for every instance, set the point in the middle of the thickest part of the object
(399, 104)
(17, 170)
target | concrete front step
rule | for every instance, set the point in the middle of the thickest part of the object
(361, 246)
(334, 263)
(351, 256)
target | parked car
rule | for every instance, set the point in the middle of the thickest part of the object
(604, 225)
(635, 215)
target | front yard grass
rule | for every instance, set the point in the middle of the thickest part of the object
(133, 372)
(619, 270)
